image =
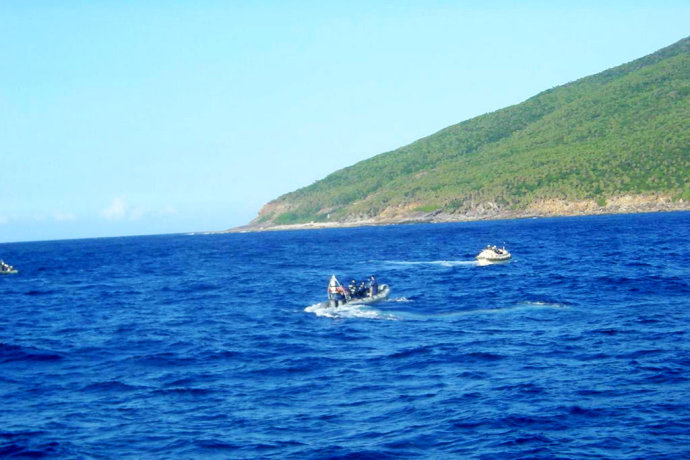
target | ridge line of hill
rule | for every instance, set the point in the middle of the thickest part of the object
(616, 141)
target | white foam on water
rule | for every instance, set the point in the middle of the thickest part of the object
(522, 306)
(365, 311)
(348, 311)
(538, 304)
(400, 299)
(505, 310)
(441, 263)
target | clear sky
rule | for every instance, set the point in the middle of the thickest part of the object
(136, 117)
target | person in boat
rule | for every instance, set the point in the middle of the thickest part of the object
(362, 289)
(373, 286)
(352, 287)
(336, 291)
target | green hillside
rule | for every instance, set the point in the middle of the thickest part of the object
(622, 131)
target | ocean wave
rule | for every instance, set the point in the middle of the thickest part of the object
(522, 388)
(400, 300)
(481, 356)
(38, 292)
(27, 444)
(423, 350)
(184, 391)
(463, 363)
(215, 444)
(647, 284)
(163, 359)
(111, 385)
(588, 412)
(668, 375)
(9, 353)
(341, 453)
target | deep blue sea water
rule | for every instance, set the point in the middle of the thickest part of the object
(199, 346)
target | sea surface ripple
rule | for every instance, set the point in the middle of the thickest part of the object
(214, 346)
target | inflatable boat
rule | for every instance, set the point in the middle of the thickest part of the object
(382, 293)
(493, 254)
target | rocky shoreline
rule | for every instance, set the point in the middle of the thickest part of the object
(489, 211)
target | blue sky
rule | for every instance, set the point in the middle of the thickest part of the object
(141, 117)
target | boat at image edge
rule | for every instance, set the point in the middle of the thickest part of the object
(7, 269)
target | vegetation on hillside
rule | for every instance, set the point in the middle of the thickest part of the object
(623, 131)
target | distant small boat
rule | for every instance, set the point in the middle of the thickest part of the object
(493, 254)
(7, 269)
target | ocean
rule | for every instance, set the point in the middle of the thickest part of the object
(213, 346)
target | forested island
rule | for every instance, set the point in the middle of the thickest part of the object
(617, 141)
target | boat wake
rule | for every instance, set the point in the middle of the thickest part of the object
(439, 263)
(400, 300)
(516, 308)
(348, 311)
(538, 304)
(365, 311)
